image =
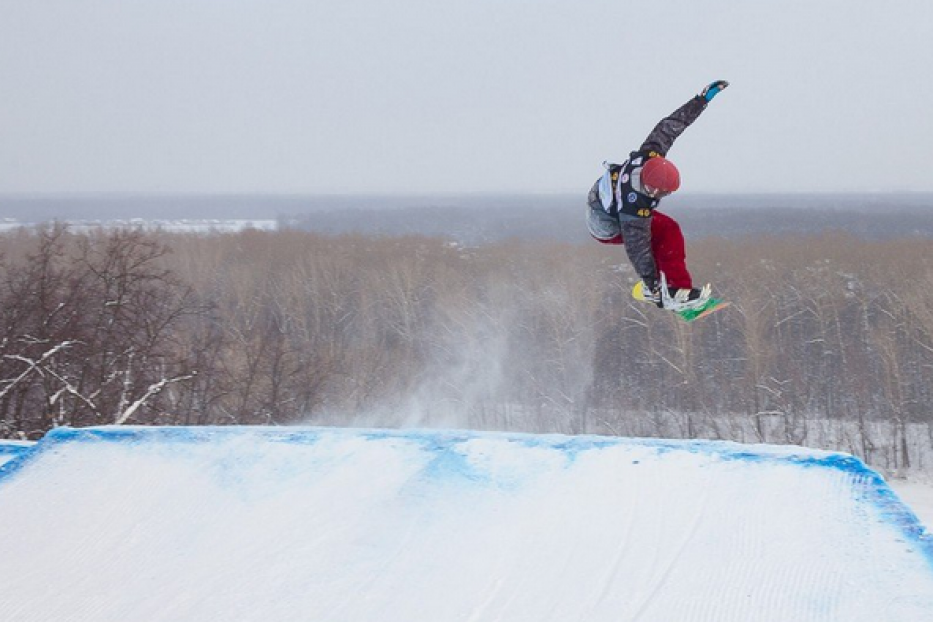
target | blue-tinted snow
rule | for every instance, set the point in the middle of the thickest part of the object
(346, 524)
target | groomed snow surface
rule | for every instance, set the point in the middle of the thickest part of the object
(316, 524)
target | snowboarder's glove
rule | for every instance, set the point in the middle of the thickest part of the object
(713, 89)
(651, 289)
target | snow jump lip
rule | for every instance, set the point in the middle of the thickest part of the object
(404, 507)
(11, 450)
(875, 490)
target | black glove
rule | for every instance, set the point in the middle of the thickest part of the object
(651, 289)
(712, 90)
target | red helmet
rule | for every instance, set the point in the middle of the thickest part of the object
(661, 174)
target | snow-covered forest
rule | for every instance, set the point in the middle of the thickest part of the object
(828, 343)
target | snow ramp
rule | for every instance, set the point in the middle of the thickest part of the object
(10, 450)
(315, 524)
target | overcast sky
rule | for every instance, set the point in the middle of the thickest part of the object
(292, 96)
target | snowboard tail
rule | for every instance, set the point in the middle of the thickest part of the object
(712, 305)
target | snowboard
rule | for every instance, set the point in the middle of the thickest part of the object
(687, 315)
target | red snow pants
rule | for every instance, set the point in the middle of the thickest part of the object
(667, 246)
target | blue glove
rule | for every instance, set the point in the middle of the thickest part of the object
(713, 89)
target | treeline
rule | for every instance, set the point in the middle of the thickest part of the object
(829, 340)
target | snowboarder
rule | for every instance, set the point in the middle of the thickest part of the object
(622, 209)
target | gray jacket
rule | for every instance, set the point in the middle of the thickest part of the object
(634, 224)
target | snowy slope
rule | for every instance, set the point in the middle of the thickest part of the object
(919, 496)
(344, 525)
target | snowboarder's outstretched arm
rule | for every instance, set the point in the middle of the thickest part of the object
(662, 137)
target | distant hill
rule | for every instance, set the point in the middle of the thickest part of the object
(481, 218)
